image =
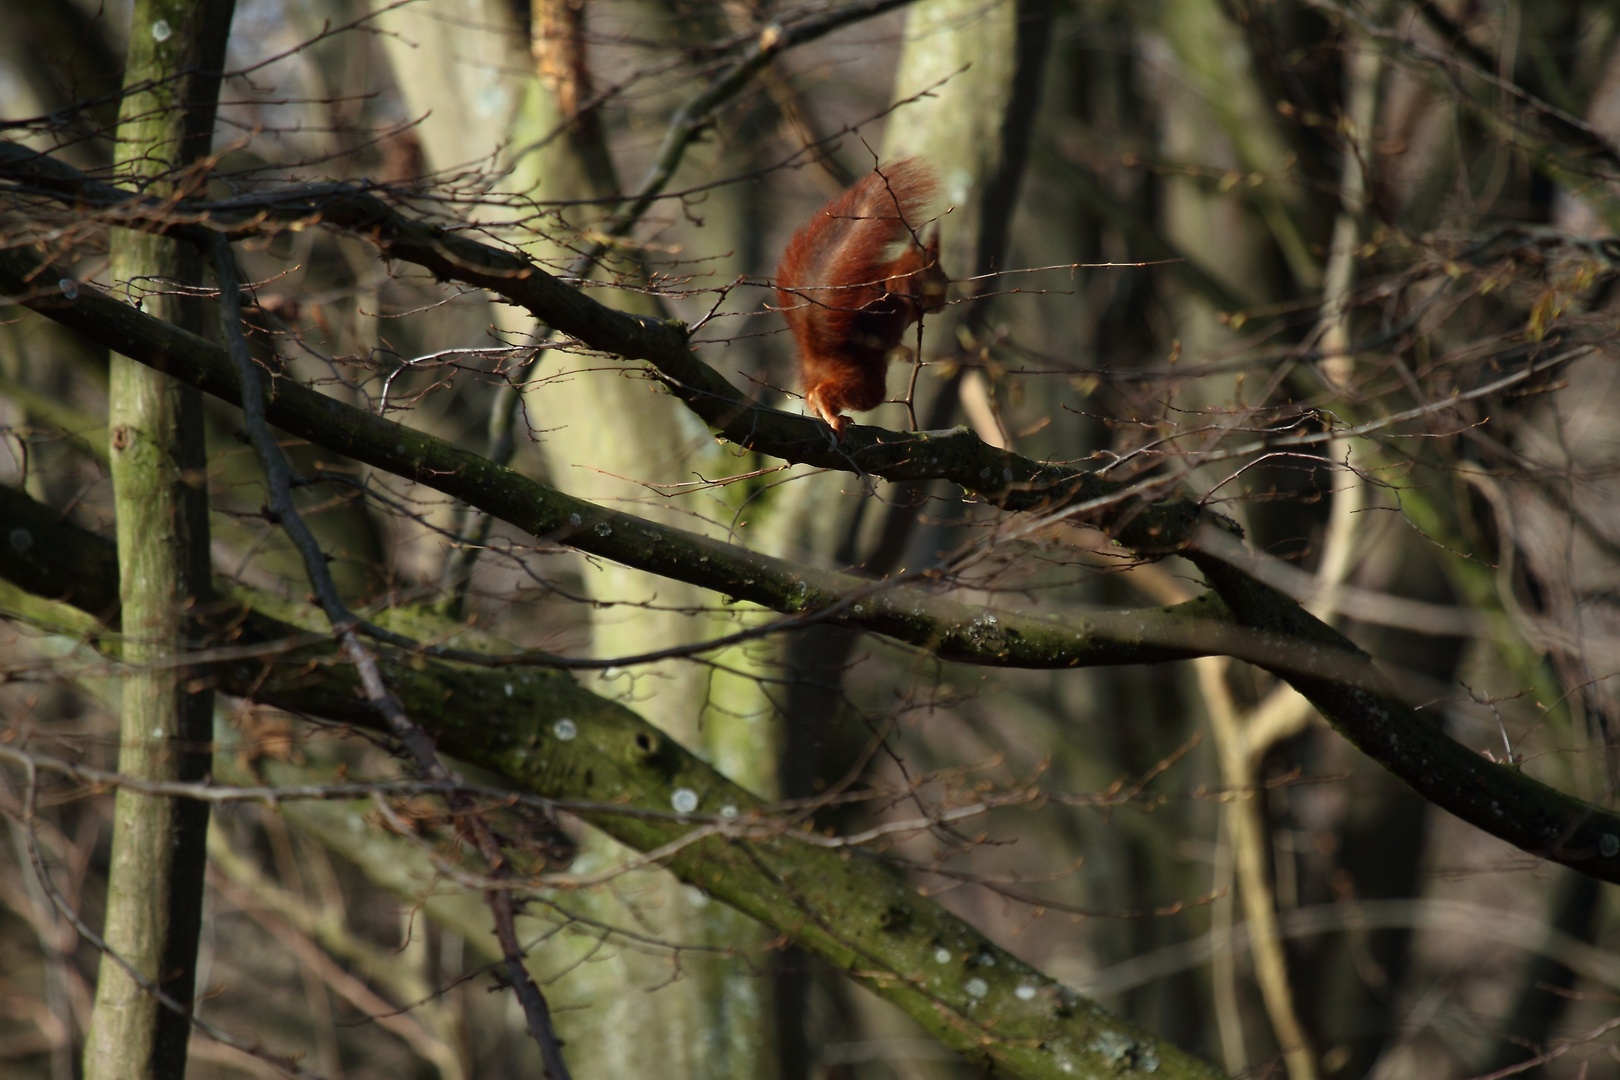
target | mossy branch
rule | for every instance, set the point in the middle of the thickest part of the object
(547, 735)
(953, 630)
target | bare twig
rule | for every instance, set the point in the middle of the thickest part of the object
(219, 1035)
(344, 625)
(688, 122)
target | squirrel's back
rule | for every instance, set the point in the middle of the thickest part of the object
(852, 279)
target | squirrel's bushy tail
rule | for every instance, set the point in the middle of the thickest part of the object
(853, 278)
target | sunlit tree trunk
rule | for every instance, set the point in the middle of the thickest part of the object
(158, 466)
(599, 432)
(974, 69)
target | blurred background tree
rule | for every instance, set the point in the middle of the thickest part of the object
(1337, 272)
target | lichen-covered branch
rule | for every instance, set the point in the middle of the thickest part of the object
(545, 734)
(1535, 817)
(951, 629)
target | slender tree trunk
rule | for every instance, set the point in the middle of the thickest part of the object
(712, 1021)
(985, 62)
(158, 464)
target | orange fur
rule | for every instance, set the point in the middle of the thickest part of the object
(849, 297)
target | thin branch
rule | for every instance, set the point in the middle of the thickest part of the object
(219, 1035)
(1340, 679)
(382, 699)
(853, 912)
(1005, 479)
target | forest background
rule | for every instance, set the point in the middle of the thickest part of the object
(1025, 732)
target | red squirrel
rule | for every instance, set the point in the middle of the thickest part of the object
(851, 281)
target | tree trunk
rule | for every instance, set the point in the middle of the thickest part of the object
(158, 466)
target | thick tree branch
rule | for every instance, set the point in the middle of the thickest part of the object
(1005, 479)
(1363, 707)
(547, 735)
(951, 629)
(1275, 633)
(1551, 824)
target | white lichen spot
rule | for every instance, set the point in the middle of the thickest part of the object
(603, 529)
(942, 955)
(976, 987)
(1609, 845)
(399, 448)
(21, 540)
(1025, 992)
(1148, 1059)
(574, 520)
(684, 800)
(859, 610)
(728, 811)
(157, 733)
(565, 729)
(1113, 1045)
(508, 689)
(69, 287)
(161, 30)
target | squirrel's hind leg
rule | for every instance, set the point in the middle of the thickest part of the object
(817, 399)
